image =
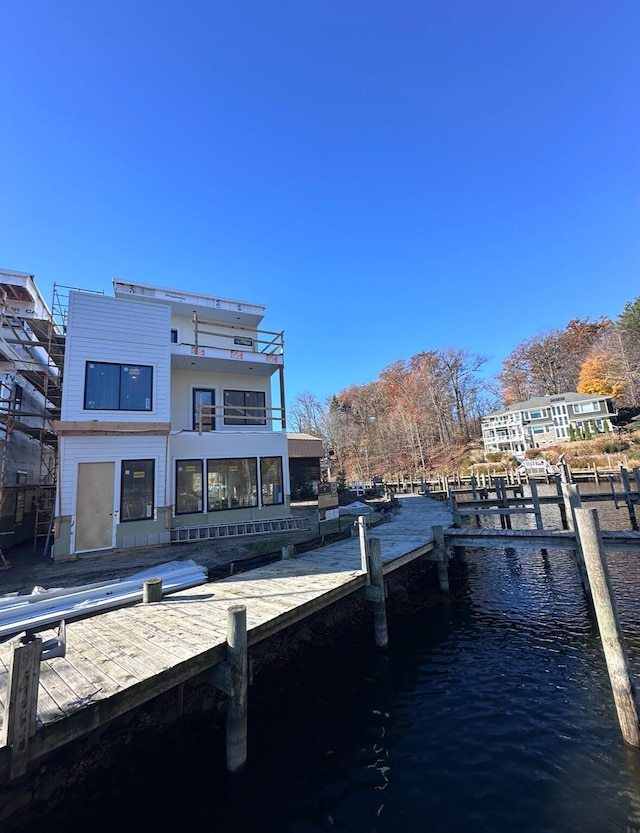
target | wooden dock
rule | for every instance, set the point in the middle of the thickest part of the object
(121, 659)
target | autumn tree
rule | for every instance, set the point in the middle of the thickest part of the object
(307, 415)
(550, 362)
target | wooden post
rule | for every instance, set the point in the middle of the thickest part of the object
(441, 556)
(636, 477)
(288, 552)
(565, 472)
(364, 551)
(238, 660)
(624, 479)
(459, 552)
(536, 503)
(474, 494)
(501, 495)
(152, 590)
(608, 624)
(21, 703)
(613, 491)
(377, 583)
(573, 502)
(561, 507)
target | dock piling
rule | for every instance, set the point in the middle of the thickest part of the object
(624, 479)
(237, 658)
(377, 584)
(608, 624)
(364, 549)
(19, 723)
(152, 590)
(440, 551)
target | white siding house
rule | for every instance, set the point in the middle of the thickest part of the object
(546, 420)
(167, 420)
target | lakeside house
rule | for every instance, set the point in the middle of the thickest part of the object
(168, 423)
(545, 420)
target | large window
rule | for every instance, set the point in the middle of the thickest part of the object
(207, 399)
(232, 483)
(188, 486)
(244, 407)
(136, 492)
(117, 387)
(585, 407)
(271, 480)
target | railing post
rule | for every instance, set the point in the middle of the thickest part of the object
(608, 624)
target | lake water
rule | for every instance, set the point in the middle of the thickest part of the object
(489, 713)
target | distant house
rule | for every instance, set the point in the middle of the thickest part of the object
(168, 430)
(546, 420)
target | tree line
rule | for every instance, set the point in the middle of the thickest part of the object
(422, 414)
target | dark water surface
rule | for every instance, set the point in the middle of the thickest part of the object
(491, 713)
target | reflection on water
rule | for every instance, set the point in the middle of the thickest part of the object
(492, 713)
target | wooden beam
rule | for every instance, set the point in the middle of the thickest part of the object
(97, 427)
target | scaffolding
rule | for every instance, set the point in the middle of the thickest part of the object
(32, 347)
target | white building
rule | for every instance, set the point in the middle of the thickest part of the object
(168, 430)
(546, 420)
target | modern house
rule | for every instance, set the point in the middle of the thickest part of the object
(168, 428)
(545, 420)
(31, 358)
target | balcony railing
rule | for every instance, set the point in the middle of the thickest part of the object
(245, 416)
(210, 334)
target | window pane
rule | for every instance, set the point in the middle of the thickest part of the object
(102, 386)
(254, 400)
(234, 407)
(135, 388)
(271, 480)
(232, 483)
(208, 399)
(115, 387)
(188, 486)
(136, 494)
(244, 407)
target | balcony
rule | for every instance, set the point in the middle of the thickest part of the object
(213, 347)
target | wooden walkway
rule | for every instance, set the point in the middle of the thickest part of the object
(118, 660)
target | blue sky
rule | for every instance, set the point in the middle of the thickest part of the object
(386, 177)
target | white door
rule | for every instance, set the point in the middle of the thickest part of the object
(94, 507)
